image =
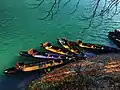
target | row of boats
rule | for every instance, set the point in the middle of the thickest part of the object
(56, 56)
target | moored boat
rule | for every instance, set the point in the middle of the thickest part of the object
(96, 47)
(69, 45)
(42, 55)
(54, 49)
(34, 66)
(115, 37)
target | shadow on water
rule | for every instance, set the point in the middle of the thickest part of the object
(20, 80)
(17, 81)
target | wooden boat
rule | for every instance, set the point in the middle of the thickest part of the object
(115, 37)
(96, 47)
(69, 45)
(42, 55)
(54, 49)
(34, 66)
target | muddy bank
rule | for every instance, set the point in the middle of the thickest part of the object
(101, 73)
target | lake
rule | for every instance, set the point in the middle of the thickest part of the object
(20, 29)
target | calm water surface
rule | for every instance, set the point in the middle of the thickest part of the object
(22, 30)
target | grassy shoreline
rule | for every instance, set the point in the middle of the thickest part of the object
(98, 72)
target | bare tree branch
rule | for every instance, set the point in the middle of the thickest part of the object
(66, 3)
(76, 6)
(58, 7)
(5, 18)
(50, 12)
(34, 6)
(108, 10)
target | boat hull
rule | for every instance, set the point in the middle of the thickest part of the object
(112, 36)
(47, 46)
(99, 49)
(43, 55)
(71, 46)
(36, 66)
(12, 70)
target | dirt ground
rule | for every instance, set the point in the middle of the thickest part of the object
(98, 73)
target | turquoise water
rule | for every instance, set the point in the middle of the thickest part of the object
(22, 30)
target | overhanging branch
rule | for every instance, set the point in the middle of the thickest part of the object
(109, 8)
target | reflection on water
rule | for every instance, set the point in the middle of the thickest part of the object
(17, 82)
(20, 80)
